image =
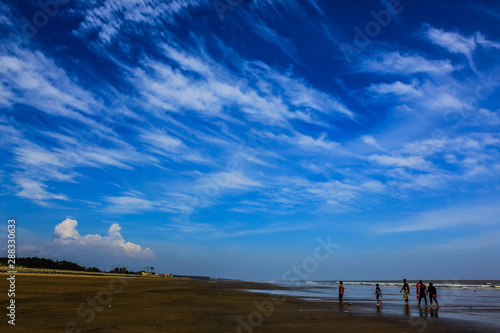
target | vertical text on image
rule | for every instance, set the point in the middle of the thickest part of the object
(11, 262)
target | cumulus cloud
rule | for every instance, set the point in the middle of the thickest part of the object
(66, 234)
(67, 229)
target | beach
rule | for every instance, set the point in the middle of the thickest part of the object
(72, 303)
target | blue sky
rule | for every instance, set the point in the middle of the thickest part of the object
(232, 140)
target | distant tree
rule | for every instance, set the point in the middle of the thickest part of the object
(121, 270)
(92, 269)
(35, 262)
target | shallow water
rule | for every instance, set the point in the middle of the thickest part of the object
(477, 301)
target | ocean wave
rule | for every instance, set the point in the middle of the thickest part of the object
(456, 284)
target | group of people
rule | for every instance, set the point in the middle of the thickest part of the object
(422, 292)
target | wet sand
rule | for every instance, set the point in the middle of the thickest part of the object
(65, 303)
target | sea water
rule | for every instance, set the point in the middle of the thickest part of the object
(472, 300)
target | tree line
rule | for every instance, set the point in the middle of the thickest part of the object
(35, 262)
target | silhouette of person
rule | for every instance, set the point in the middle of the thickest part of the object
(422, 293)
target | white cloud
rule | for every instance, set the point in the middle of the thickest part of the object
(67, 235)
(370, 140)
(39, 165)
(305, 142)
(395, 63)
(38, 82)
(396, 88)
(299, 193)
(481, 40)
(185, 94)
(434, 180)
(485, 117)
(269, 229)
(456, 43)
(67, 229)
(129, 204)
(425, 147)
(36, 191)
(443, 100)
(452, 41)
(415, 162)
(162, 141)
(263, 94)
(321, 142)
(110, 18)
(227, 179)
(192, 227)
(286, 45)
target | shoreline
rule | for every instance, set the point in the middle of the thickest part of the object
(64, 303)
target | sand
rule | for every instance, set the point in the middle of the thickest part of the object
(65, 303)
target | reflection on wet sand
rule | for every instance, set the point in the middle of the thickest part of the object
(424, 312)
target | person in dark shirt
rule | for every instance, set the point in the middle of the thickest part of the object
(432, 294)
(422, 293)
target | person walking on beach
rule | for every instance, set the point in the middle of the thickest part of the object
(341, 291)
(432, 294)
(378, 293)
(418, 290)
(406, 288)
(422, 293)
